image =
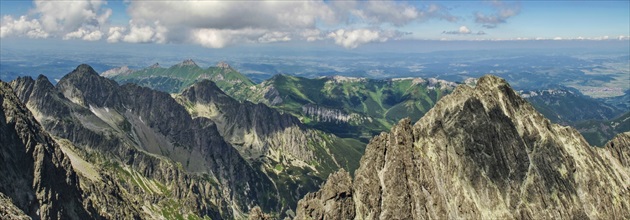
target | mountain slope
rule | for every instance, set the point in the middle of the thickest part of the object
(198, 153)
(598, 132)
(143, 134)
(178, 77)
(567, 106)
(351, 107)
(296, 158)
(36, 176)
(486, 153)
(345, 106)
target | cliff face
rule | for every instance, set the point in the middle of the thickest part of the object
(251, 128)
(484, 152)
(295, 158)
(36, 176)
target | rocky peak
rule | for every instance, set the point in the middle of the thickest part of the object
(484, 152)
(188, 62)
(223, 65)
(332, 201)
(84, 86)
(85, 69)
(155, 65)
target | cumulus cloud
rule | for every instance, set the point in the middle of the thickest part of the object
(463, 30)
(146, 33)
(503, 11)
(311, 35)
(219, 38)
(85, 34)
(353, 38)
(115, 34)
(22, 27)
(398, 13)
(79, 19)
(219, 24)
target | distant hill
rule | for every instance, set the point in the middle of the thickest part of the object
(567, 106)
(598, 132)
(345, 106)
(360, 107)
(180, 76)
(349, 106)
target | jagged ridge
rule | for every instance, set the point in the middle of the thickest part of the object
(486, 153)
(36, 176)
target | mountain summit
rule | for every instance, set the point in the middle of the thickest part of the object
(481, 152)
(188, 62)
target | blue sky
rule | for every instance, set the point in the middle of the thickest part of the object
(347, 24)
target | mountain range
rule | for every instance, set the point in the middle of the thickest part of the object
(222, 155)
(208, 143)
(360, 108)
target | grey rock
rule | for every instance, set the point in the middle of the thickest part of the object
(485, 153)
(332, 201)
(36, 175)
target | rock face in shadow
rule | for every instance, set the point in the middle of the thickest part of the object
(483, 153)
(36, 176)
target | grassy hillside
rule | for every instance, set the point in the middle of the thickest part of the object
(348, 107)
(598, 132)
(351, 107)
(175, 78)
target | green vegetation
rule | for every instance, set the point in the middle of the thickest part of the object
(348, 107)
(598, 132)
(181, 76)
(351, 107)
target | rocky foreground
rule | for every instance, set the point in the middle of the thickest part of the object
(480, 153)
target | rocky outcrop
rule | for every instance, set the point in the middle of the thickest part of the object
(119, 71)
(8, 210)
(618, 148)
(332, 201)
(252, 128)
(323, 114)
(484, 152)
(223, 65)
(36, 176)
(188, 62)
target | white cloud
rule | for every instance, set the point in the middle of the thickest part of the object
(311, 35)
(503, 12)
(219, 24)
(275, 36)
(219, 38)
(463, 30)
(115, 34)
(353, 38)
(396, 13)
(22, 27)
(77, 19)
(143, 33)
(85, 34)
